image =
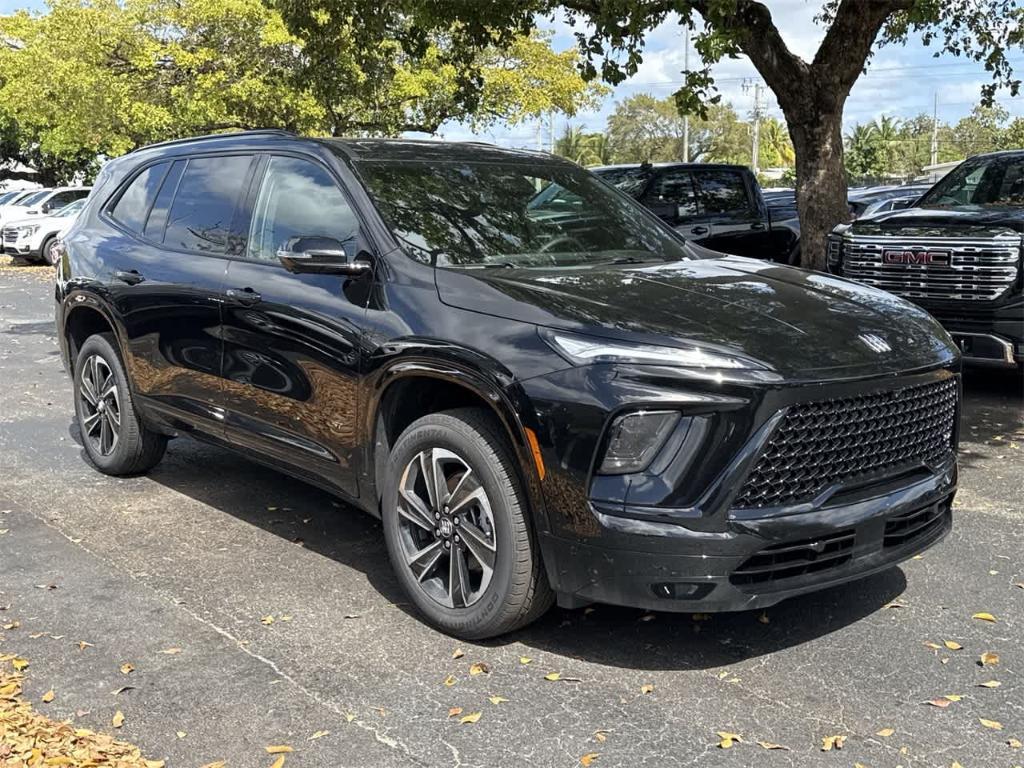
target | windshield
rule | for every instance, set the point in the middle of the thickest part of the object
(513, 214)
(6, 197)
(33, 198)
(630, 180)
(988, 181)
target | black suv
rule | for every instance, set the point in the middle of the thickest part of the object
(958, 252)
(533, 381)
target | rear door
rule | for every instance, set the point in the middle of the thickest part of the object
(292, 341)
(672, 196)
(738, 223)
(175, 220)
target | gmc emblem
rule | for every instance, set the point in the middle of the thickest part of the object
(904, 256)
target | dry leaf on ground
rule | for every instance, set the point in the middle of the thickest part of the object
(726, 739)
(953, 645)
(458, 653)
(984, 616)
(118, 719)
(278, 749)
(830, 742)
(770, 745)
(886, 732)
(589, 758)
(647, 688)
(480, 668)
(279, 763)
(988, 659)
(48, 696)
(127, 668)
(497, 699)
(470, 718)
(454, 711)
(993, 724)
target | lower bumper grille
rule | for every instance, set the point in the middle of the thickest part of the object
(796, 558)
(918, 524)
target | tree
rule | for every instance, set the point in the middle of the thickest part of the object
(776, 148)
(811, 94)
(583, 148)
(92, 79)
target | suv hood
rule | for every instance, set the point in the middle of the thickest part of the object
(799, 323)
(943, 222)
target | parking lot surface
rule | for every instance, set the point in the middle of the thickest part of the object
(256, 610)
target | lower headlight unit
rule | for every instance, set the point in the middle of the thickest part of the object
(634, 439)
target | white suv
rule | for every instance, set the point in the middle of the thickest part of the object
(35, 237)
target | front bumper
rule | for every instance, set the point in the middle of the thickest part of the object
(755, 563)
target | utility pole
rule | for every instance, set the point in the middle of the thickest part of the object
(759, 108)
(686, 118)
(551, 131)
(935, 131)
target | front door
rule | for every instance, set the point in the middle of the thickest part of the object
(673, 198)
(291, 341)
(174, 221)
(738, 228)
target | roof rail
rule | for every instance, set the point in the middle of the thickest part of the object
(189, 139)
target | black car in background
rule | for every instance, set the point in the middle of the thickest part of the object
(717, 206)
(525, 374)
(957, 252)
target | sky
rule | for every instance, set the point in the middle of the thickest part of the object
(901, 81)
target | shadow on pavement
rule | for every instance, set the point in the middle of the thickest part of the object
(618, 637)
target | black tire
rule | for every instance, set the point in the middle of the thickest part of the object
(517, 591)
(136, 449)
(44, 250)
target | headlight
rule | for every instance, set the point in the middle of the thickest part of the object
(582, 350)
(26, 231)
(833, 253)
(634, 439)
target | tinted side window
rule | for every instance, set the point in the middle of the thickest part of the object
(723, 192)
(297, 198)
(200, 215)
(157, 221)
(675, 187)
(133, 206)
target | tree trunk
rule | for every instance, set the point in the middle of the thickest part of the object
(821, 197)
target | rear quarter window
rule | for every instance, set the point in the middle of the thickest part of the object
(132, 207)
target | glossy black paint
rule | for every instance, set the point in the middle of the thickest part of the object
(296, 370)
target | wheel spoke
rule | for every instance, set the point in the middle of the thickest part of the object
(412, 508)
(104, 435)
(90, 422)
(458, 579)
(422, 563)
(467, 499)
(478, 545)
(88, 390)
(427, 472)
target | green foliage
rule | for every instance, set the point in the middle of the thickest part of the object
(98, 78)
(584, 148)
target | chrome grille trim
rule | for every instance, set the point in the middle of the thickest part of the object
(980, 269)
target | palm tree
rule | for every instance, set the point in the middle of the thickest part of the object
(775, 139)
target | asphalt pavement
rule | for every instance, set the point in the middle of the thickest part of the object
(256, 610)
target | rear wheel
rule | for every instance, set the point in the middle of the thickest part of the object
(456, 527)
(114, 438)
(48, 250)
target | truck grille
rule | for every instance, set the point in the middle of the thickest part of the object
(10, 235)
(977, 270)
(822, 443)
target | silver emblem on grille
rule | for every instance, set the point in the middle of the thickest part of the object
(875, 343)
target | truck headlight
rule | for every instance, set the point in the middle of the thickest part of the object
(634, 439)
(833, 253)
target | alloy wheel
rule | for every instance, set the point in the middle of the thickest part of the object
(100, 405)
(446, 528)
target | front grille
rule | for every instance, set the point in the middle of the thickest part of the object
(905, 528)
(10, 235)
(795, 558)
(978, 269)
(822, 443)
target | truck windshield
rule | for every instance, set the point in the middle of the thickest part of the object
(987, 181)
(478, 214)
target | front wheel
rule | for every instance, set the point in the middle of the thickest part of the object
(456, 527)
(48, 250)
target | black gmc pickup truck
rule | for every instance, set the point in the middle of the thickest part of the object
(956, 252)
(717, 206)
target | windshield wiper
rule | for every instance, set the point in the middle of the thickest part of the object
(629, 260)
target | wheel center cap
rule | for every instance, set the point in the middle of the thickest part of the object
(101, 406)
(445, 526)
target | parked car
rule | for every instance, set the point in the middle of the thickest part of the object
(717, 206)
(956, 252)
(49, 201)
(35, 238)
(889, 204)
(868, 200)
(13, 204)
(540, 388)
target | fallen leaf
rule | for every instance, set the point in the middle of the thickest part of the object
(278, 749)
(319, 735)
(497, 699)
(589, 758)
(118, 720)
(990, 684)
(933, 646)
(470, 718)
(36, 635)
(1019, 584)
(171, 651)
(454, 711)
(984, 616)
(763, 618)
(82, 645)
(988, 659)
(127, 668)
(122, 689)
(895, 604)
(525, 660)
(19, 663)
(278, 763)
(12, 625)
(458, 653)
(953, 696)
(450, 680)
(349, 717)
(48, 696)
(886, 732)
(217, 764)
(952, 645)
(828, 742)
(479, 669)
(940, 703)
(351, 616)
(993, 724)
(1013, 743)
(554, 677)
(647, 688)
(601, 736)
(267, 620)
(728, 739)
(769, 745)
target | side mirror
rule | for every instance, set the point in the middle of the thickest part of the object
(320, 255)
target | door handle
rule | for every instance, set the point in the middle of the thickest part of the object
(757, 225)
(130, 276)
(699, 230)
(244, 296)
